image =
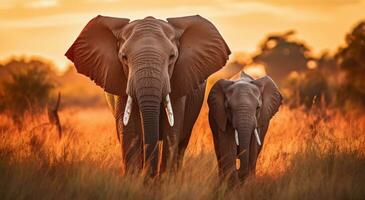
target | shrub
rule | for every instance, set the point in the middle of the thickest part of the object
(26, 90)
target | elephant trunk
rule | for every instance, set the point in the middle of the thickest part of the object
(244, 132)
(147, 84)
(149, 90)
(150, 114)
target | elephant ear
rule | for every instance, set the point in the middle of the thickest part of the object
(95, 53)
(271, 101)
(216, 103)
(202, 51)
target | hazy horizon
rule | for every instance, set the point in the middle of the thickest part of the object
(47, 28)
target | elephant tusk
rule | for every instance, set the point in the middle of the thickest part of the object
(236, 137)
(127, 111)
(168, 109)
(257, 137)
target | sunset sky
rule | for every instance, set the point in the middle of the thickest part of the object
(48, 27)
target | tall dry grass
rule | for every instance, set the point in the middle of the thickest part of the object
(315, 155)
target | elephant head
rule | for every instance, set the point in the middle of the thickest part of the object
(150, 62)
(242, 110)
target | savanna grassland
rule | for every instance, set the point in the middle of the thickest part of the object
(314, 149)
(316, 154)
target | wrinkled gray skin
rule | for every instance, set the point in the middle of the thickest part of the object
(241, 105)
(146, 61)
(186, 110)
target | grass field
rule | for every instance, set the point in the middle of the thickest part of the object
(306, 155)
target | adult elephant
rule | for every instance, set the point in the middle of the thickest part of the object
(147, 65)
(239, 116)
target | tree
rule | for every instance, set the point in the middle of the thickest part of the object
(351, 60)
(307, 88)
(281, 55)
(25, 89)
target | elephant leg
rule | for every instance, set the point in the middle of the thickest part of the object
(254, 152)
(225, 149)
(171, 135)
(181, 152)
(193, 104)
(130, 137)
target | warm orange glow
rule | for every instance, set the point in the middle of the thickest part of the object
(256, 71)
(312, 64)
(98, 143)
(48, 27)
(227, 72)
(242, 57)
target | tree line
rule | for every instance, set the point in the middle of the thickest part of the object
(333, 80)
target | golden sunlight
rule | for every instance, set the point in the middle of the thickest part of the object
(256, 71)
(47, 27)
(123, 116)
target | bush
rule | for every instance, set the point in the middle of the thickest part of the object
(306, 89)
(26, 90)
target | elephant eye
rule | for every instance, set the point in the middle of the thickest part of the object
(172, 56)
(258, 112)
(123, 57)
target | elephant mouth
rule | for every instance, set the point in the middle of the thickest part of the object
(256, 133)
(257, 137)
(167, 105)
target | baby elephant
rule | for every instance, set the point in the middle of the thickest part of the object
(239, 116)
